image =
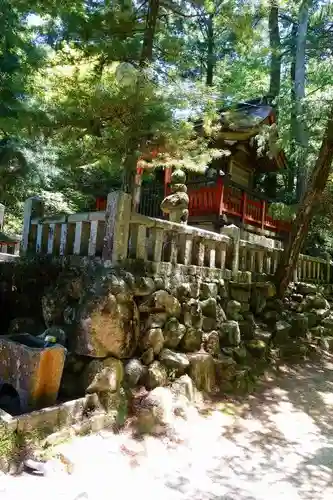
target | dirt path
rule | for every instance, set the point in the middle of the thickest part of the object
(280, 446)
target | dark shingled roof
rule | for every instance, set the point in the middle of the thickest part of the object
(245, 118)
(5, 238)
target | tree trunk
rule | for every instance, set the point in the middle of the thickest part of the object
(210, 51)
(275, 79)
(300, 227)
(291, 169)
(301, 134)
(275, 46)
(130, 162)
(149, 34)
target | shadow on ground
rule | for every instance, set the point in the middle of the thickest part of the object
(285, 432)
(277, 444)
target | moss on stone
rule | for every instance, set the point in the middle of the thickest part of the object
(15, 446)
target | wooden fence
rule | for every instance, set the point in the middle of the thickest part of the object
(118, 234)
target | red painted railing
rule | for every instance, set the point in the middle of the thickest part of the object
(204, 198)
(227, 199)
(100, 204)
(232, 200)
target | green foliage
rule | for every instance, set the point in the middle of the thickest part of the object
(7, 441)
(281, 211)
(68, 125)
(15, 446)
(19, 57)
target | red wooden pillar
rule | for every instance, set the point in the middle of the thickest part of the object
(263, 213)
(167, 180)
(220, 183)
(100, 204)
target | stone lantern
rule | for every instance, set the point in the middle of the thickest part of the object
(176, 203)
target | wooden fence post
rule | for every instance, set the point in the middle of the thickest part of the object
(234, 233)
(117, 220)
(328, 269)
(33, 208)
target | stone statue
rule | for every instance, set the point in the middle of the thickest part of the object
(176, 204)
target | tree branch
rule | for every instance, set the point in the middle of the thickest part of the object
(140, 6)
(174, 8)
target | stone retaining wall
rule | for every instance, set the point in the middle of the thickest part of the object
(148, 330)
(127, 330)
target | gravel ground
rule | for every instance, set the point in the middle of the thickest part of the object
(277, 444)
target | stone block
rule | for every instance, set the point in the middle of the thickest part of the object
(81, 428)
(245, 307)
(156, 320)
(233, 310)
(134, 371)
(208, 290)
(102, 375)
(191, 340)
(312, 319)
(306, 288)
(202, 371)
(230, 334)
(174, 361)
(156, 375)
(154, 339)
(173, 333)
(281, 332)
(258, 348)
(71, 412)
(108, 328)
(225, 369)
(209, 324)
(212, 343)
(241, 294)
(192, 313)
(247, 329)
(34, 371)
(275, 304)
(271, 317)
(143, 286)
(147, 356)
(100, 421)
(8, 421)
(258, 302)
(328, 323)
(58, 437)
(184, 386)
(208, 307)
(299, 325)
(45, 420)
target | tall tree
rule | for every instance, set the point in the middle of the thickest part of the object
(270, 181)
(300, 227)
(210, 50)
(275, 48)
(301, 134)
(20, 58)
(131, 157)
